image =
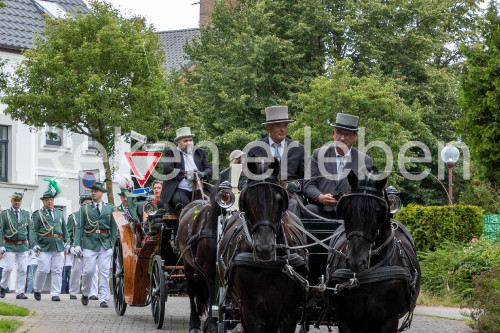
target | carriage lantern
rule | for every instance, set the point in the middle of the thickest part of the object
(225, 197)
(394, 201)
(150, 208)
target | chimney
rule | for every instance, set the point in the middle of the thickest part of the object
(205, 9)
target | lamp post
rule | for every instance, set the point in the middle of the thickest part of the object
(450, 155)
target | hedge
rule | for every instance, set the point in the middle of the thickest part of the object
(431, 226)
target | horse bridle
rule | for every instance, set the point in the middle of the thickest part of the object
(274, 228)
(371, 192)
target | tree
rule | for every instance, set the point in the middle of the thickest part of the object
(480, 97)
(415, 42)
(3, 75)
(254, 54)
(383, 114)
(90, 74)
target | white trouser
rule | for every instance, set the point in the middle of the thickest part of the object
(76, 276)
(49, 262)
(22, 267)
(100, 259)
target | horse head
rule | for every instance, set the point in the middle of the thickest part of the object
(365, 210)
(263, 202)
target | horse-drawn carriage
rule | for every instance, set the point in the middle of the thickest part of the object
(248, 261)
(145, 265)
(359, 273)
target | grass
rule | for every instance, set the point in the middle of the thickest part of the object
(431, 300)
(9, 325)
(13, 310)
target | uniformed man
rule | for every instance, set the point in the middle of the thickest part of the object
(96, 237)
(76, 269)
(14, 236)
(123, 207)
(50, 237)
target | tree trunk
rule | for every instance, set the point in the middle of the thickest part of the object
(109, 181)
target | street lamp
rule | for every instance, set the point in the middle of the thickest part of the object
(450, 155)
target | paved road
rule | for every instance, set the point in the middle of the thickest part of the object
(70, 316)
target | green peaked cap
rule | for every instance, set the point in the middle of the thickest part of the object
(16, 195)
(99, 186)
(47, 194)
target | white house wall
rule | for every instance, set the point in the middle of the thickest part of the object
(30, 160)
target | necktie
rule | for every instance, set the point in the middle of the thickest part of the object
(98, 207)
(52, 213)
(276, 147)
(340, 167)
(17, 215)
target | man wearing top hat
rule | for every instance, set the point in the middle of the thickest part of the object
(181, 166)
(290, 153)
(14, 244)
(331, 165)
(95, 239)
(50, 237)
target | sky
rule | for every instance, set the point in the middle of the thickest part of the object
(163, 14)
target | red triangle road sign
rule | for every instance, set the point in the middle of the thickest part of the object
(142, 164)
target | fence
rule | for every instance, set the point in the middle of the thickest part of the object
(492, 226)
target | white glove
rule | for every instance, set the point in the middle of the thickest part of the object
(72, 251)
(2, 250)
(66, 246)
(78, 251)
(36, 248)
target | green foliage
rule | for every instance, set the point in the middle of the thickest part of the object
(3, 75)
(13, 310)
(480, 97)
(90, 74)
(449, 270)
(485, 304)
(254, 54)
(9, 325)
(413, 41)
(482, 193)
(432, 226)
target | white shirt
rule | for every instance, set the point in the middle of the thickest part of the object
(342, 160)
(189, 166)
(281, 147)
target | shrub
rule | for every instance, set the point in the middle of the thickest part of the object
(486, 302)
(449, 270)
(432, 226)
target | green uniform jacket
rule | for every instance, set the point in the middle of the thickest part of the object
(72, 225)
(42, 219)
(92, 220)
(12, 230)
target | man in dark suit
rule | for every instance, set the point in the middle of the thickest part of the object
(182, 166)
(290, 153)
(331, 165)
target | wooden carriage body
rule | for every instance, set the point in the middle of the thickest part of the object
(145, 265)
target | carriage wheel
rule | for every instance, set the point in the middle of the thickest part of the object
(118, 279)
(158, 291)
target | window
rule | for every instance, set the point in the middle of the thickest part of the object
(92, 143)
(4, 145)
(53, 9)
(53, 137)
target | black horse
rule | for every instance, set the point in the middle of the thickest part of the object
(254, 250)
(377, 276)
(197, 241)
